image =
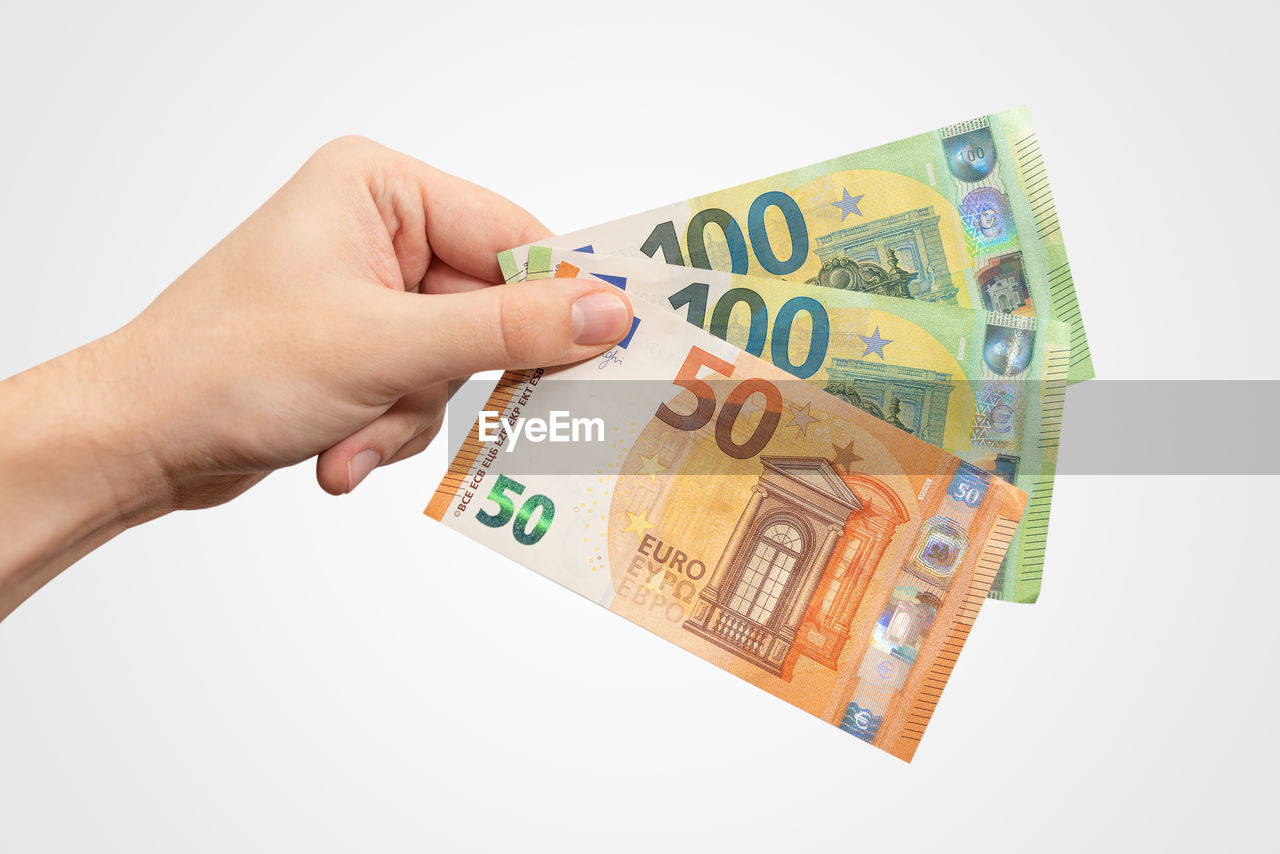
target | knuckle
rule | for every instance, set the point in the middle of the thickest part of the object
(397, 428)
(411, 428)
(349, 151)
(519, 330)
(417, 444)
(348, 143)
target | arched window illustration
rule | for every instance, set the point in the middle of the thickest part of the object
(764, 578)
(804, 545)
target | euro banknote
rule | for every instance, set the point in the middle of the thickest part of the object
(778, 532)
(986, 386)
(963, 215)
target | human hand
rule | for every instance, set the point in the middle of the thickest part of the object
(331, 321)
(328, 323)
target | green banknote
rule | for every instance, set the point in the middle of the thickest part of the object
(961, 216)
(985, 386)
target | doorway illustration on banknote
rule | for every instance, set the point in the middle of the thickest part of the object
(813, 576)
(797, 564)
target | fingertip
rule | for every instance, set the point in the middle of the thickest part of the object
(339, 476)
(600, 317)
(359, 467)
(331, 473)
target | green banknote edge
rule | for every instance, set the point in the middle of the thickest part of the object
(1033, 209)
(1024, 145)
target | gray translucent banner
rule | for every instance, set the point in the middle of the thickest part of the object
(1125, 427)
(1171, 427)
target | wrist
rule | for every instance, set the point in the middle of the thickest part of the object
(95, 426)
(75, 470)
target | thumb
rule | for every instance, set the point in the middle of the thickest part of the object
(522, 325)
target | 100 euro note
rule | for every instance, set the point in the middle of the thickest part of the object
(963, 215)
(773, 530)
(985, 386)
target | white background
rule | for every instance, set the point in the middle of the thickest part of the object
(301, 672)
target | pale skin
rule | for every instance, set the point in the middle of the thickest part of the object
(328, 324)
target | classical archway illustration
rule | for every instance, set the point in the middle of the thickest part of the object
(824, 630)
(1003, 283)
(796, 564)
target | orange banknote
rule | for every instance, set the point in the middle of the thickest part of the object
(776, 531)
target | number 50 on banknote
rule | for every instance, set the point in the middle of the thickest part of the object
(778, 532)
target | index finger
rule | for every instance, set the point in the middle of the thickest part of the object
(466, 224)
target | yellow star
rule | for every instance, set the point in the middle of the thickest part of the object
(651, 467)
(639, 524)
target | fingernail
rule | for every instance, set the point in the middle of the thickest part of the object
(359, 466)
(599, 318)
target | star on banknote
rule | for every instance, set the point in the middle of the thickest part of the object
(845, 457)
(651, 467)
(875, 344)
(847, 205)
(801, 418)
(639, 523)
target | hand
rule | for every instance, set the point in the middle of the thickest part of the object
(329, 323)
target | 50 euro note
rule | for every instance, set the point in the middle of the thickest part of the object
(963, 215)
(986, 386)
(780, 533)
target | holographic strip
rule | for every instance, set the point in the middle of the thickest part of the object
(918, 593)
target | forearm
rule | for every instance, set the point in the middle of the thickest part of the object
(71, 477)
(328, 324)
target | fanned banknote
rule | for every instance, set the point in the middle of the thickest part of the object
(986, 386)
(963, 215)
(778, 532)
